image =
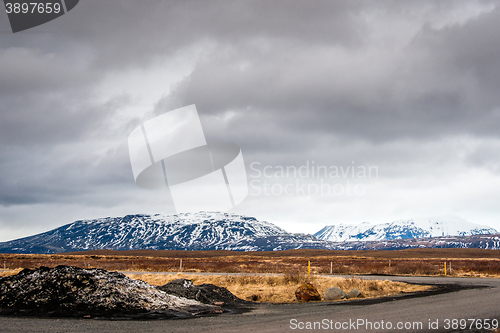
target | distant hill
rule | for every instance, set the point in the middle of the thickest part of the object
(403, 229)
(491, 242)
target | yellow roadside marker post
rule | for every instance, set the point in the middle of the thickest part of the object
(445, 268)
(309, 267)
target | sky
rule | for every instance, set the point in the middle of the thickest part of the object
(345, 111)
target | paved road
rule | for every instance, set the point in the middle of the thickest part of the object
(479, 303)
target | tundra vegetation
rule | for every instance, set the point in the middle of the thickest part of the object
(281, 288)
(421, 262)
(286, 269)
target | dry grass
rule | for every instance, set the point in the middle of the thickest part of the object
(281, 289)
(276, 288)
(9, 272)
(426, 262)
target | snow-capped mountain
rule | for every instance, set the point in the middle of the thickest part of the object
(189, 231)
(403, 229)
(225, 231)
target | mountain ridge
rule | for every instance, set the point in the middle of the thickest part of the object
(187, 231)
(403, 229)
(212, 231)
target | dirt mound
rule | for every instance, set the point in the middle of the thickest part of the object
(204, 293)
(75, 292)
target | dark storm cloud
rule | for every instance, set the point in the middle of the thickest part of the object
(442, 82)
(158, 27)
(60, 117)
(309, 64)
(42, 71)
(62, 175)
(467, 57)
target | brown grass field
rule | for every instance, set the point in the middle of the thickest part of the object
(424, 262)
(291, 265)
(277, 288)
(281, 288)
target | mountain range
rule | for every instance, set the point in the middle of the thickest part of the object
(403, 229)
(226, 231)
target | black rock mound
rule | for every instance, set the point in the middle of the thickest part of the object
(204, 293)
(66, 291)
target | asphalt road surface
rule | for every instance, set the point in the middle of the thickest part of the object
(476, 306)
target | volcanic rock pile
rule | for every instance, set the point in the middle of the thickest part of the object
(204, 293)
(75, 292)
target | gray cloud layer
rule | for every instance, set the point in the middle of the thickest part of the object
(408, 86)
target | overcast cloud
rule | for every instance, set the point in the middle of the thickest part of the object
(410, 88)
